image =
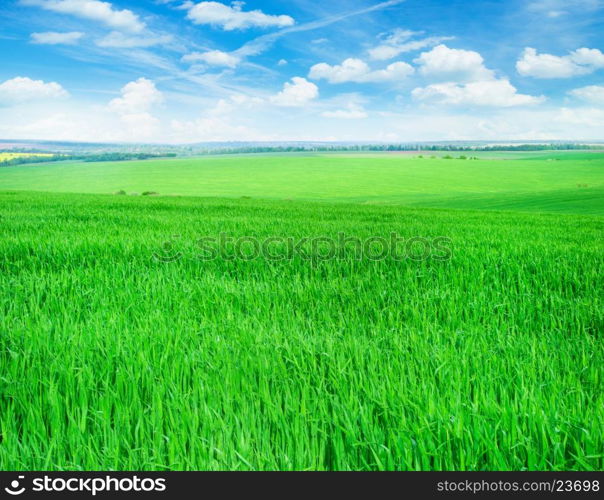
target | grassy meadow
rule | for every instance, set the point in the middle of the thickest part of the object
(111, 358)
(529, 182)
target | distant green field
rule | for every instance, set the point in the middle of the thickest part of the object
(112, 359)
(528, 182)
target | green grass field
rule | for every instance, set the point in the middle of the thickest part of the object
(524, 183)
(491, 359)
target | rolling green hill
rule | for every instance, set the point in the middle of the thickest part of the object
(574, 185)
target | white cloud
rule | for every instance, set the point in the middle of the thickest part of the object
(399, 41)
(497, 93)
(72, 121)
(588, 117)
(233, 17)
(356, 70)
(213, 58)
(592, 93)
(453, 64)
(118, 40)
(22, 89)
(582, 61)
(352, 111)
(588, 57)
(137, 97)
(54, 38)
(94, 10)
(281, 62)
(465, 81)
(134, 106)
(297, 93)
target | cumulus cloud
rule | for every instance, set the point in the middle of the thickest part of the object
(356, 70)
(298, 92)
(352, 111)
(134, 108)
(55, 38)
(233, 17)
(137, 96)
(94, 10)
(582, 61)
(213, 58)
(592, 93)
(497, 93)
(467, 81)
(22, 89)
(400, 41)
(119, 40)
(445, 63)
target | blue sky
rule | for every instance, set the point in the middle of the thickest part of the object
(178, 71)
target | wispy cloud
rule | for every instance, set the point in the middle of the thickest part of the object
(400, 41)
(55, 38)
(116, 39)
(261, 43)
(593, 94)
(559, 8)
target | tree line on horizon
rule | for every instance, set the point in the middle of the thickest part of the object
(190, 150)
